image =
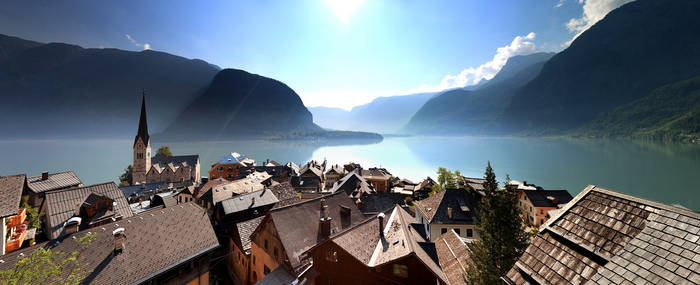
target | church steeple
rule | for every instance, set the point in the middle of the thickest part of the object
(143, 124)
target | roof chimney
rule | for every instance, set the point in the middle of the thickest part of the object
(71, 225)
(45, 176)
(380, 217)
(325, 221)
(118, 240)
(252, 201)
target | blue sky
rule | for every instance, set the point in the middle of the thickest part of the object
(337, 53)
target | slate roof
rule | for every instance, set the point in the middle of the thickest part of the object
(374, 173)
(156, 241)
(353, 184)
(11, 194)
(305, 182)
(285, 193)
(298, 225)
(364, 242)
(453, 256)
(245, 229)
(57, 180)
(313, 167)
(215, 191)
(606, 237)
(380, 202)
(279, 276)
(191, 160)
(247, 201)
(539, 198)
(61, 205)
(448, 207)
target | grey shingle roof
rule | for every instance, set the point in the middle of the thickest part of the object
(298, 224)
(605, 237)
(57, 180)
(453, 256)
(251, 200)
(245, 229)
(62, 204)
(285, 193)
(190, 160)
(539, 198)
(11, 194)
(156, 240)
(448, 207)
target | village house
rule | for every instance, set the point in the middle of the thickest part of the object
(13, 229)
(453, 257)
(333, 175)
(455, 209)
(379, 178)
(423, 189)
(148, 169)
(306, 184)
(278, 173)
(310, 178)
(245, 206)
(379, 250)
(37, 185)
(351, 166)
(286, 233)
(163, 246)
(185, 195)
(84, 207)
(606, 237)
(354, 185)
(363, 195)
(536, 205)
(217, 190)
(144, 192)
(229, 166)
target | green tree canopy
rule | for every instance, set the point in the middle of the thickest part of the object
(48, 266)
(125, 178)
(164, 151)
(446, 179)
(502, 234)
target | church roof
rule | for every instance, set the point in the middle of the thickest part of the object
(143, 124)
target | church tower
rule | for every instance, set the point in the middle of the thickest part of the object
(142, 148)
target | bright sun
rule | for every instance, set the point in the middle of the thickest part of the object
(344, 8)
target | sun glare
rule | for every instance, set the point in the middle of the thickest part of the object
(343, 9)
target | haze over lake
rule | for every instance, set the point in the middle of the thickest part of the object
(661, 172)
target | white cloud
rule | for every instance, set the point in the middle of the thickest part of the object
(593, 11)
(145, 46)
(521, 45)
(559, 3)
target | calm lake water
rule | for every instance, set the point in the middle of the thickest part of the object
(668, 173)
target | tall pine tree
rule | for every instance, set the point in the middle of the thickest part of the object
(502, 234)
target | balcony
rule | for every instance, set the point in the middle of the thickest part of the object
(16, 238)
(18, 219)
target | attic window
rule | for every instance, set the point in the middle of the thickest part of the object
(332, 256)
(401, 270)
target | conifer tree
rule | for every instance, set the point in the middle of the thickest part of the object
(502, 234)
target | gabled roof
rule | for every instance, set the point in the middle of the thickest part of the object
(57, 180)
(451, 206)
(374, 173)
(541, 198)
(11, 194)
(298, 225)
(248, 201)
(353, 185)
(142, 133)
(62, 204)
(245, 229)
(175, 160)
(380, 202)
(606, 237)
(155, 242)
(426, 182)
(313, 167)
(365, 244)
(335, 168)
(453, 256)
(285, 193)
(236, 158)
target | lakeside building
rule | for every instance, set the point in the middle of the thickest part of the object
(536, 205)
(333, 175)
(11, 188)
(147, 169)
(83, 208)
(379, 178)
(378, 250)
(606, 237)
(162, 246)
(455, 209)
(285, 234)
(217, 190)
(453, 257)
(229, 166)
(38, 185)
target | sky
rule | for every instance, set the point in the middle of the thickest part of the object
(335, 53)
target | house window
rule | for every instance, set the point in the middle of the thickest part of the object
(266, 270)
(266, 245)
(221, 169)
(276, 254)
(541, 212)
(470, 233)
(332, 256)
(253, 262)
(401, 270)
(457, 231)
(443, 231)
(541, 221)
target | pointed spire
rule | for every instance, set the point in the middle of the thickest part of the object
(143, 124)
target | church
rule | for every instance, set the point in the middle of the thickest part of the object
(147, 169)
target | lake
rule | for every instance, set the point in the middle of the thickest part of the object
(668, 173)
